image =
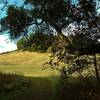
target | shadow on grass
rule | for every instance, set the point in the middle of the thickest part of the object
(17, 87)
(78, 89)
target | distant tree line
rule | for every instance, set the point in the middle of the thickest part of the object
(36, 42)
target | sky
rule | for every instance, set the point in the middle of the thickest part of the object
(5, 43)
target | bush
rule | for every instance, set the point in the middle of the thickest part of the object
(21, 44)
(36, 42)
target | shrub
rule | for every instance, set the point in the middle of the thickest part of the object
(36, 42)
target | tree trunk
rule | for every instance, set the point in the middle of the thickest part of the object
(62, 36)
(96, 67)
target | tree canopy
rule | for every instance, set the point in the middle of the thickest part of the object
(56, 14)
(80, 21)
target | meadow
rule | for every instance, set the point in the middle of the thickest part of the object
(26, 64)
(22, 78)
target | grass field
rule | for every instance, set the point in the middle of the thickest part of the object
(26, 64)
(22, 76)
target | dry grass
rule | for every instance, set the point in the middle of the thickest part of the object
(22, 77)
(25, 63)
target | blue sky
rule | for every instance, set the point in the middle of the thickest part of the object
(5, 43)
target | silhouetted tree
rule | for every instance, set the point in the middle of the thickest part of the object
(80, 21)
(36, 42)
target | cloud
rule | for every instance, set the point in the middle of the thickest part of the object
(6, 45)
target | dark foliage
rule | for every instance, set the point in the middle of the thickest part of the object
(36, 42)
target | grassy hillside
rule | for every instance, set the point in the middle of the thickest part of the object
(22, 77)
(25, 63)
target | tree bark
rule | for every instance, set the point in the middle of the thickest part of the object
(96, 67)
(61, 35)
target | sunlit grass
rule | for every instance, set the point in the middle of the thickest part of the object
(26, 63)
